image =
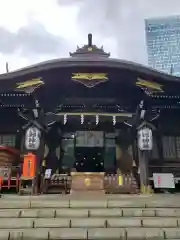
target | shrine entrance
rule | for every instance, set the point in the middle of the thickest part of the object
(89, 159)
(89, 151)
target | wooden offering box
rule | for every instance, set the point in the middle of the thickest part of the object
(87, 181)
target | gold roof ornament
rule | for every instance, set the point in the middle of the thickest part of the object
(149, 85)
(89, 50)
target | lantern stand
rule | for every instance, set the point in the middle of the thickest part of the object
(145, 145)
(36, 148)
(43, 126)
(35, 126)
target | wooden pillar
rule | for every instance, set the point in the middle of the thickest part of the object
(144, 175)
(145, 145)
(40, 155)
(136, 160)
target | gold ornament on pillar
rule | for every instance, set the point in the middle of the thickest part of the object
(58, 152)
(130, 151)
(134, 164)
(46, 151)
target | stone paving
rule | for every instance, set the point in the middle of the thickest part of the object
(86, 217)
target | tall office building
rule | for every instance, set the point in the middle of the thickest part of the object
(163, 44)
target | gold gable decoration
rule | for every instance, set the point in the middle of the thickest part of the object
(90, 79)
(29, 85)
(149, 85)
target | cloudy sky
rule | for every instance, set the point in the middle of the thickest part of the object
(37, 30)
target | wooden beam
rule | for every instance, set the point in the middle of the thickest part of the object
(129, 115)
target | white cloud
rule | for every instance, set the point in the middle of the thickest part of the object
(132, 26)
(33, 21)
(123, 20)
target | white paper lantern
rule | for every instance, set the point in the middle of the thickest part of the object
(145, 139)
(32, 138)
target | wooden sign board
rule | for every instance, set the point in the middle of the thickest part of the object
(47, 174)
(163, 180)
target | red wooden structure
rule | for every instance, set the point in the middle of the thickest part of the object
(9, 168)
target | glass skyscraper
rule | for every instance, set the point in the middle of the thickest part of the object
(163, 44)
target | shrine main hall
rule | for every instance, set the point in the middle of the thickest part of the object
(104, 124)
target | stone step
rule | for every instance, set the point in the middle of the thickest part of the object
(91, 213)
(105, 218)
(18, 223)
(10, 204)
(93, 234)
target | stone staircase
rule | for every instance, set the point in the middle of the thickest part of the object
(84, 217)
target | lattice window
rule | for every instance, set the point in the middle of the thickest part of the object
(155, 152)
(110, 153)
(8, 140)
(178, 146)
(171, 147)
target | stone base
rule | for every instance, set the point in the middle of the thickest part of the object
(87, 193)
(146, 189)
